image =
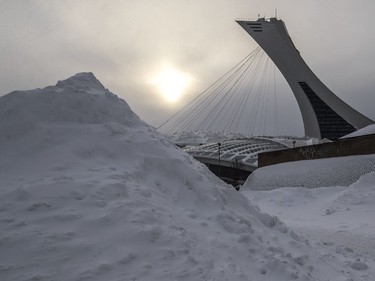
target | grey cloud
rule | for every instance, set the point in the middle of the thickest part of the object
(121, 41)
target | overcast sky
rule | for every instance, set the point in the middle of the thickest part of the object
(126, 43)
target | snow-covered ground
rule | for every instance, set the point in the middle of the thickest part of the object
(339, 219)
(90, 192)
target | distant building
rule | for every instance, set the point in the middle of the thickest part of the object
(234, 160)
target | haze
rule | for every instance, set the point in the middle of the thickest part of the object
(126, 44)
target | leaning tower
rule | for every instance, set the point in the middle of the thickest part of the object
(324, 114)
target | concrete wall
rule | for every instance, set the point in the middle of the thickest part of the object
(346, 147)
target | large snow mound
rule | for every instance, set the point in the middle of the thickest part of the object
(81, 98)
(338, 171)
(90, 192)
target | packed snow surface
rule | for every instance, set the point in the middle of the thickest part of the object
(90, 192)
(338, 171)
(340, 219)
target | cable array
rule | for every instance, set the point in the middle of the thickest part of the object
(238, 102)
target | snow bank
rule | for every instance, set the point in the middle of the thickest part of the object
(359, 195)
(339, 171)
(90, 192)
(338, 219)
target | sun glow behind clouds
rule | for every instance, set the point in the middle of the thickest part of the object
(171, 83)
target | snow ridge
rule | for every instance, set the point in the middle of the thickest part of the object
(82, 81)
(338, 171)
(79, 99)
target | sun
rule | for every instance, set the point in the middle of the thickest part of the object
(171, 84)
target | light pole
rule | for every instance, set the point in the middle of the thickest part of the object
(219, 144)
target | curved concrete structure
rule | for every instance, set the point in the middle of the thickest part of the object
(324, 114)
(243, 151)
(238, 158)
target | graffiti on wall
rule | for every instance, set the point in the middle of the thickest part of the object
(310, 152)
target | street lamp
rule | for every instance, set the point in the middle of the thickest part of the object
(219, 144)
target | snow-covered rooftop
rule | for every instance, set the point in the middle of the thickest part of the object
(243, 150)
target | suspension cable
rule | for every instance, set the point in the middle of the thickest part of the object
(239, 101)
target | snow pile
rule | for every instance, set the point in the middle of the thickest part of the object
(358, 196)
(90, 192)
(368, 130)
(338, 219)
(339, 171)
(81, 98)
